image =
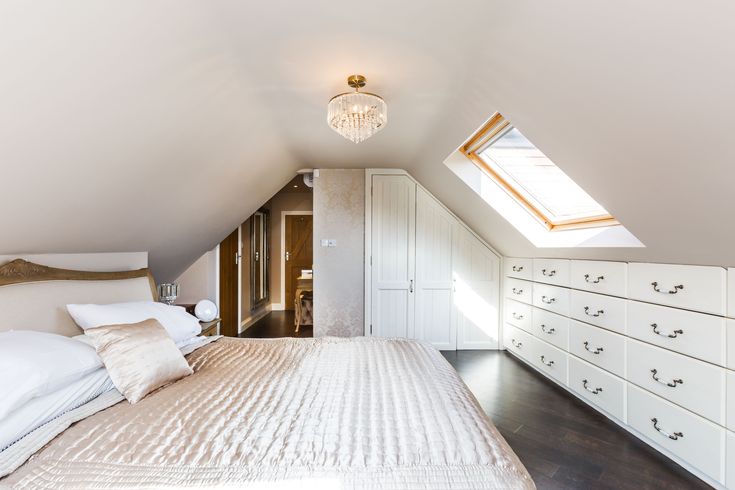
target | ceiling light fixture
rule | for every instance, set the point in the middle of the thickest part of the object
(357, 115)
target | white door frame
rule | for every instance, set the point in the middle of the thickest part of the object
(282, 304)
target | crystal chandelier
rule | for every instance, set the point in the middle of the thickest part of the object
(357, 115)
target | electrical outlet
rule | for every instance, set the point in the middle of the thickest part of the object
(332, 242)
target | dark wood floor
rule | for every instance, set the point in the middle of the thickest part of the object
(277, 324)
(563, 442)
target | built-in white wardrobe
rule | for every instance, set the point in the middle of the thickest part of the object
(428, 276)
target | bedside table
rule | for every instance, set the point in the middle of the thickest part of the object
(210, 328)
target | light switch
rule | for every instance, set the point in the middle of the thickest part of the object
(332, 242)
(325, 242)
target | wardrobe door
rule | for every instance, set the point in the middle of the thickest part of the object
(393, 236)
(434, 274)
(476, 278)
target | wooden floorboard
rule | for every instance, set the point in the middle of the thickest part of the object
(277, 324)
(564, 443)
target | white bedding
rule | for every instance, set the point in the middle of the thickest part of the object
(321, 413)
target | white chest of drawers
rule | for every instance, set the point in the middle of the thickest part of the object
(694, 439)
(647, 344)
(730, 329)
(604, 311)
(518, 314)
(598, 346)
(731, 292)
(694, 334)
(551, 271)
(690, 287)
(550, 327)
(690, 383)
(600, 277)
(519, 268)
(519, 290)
(552, 298)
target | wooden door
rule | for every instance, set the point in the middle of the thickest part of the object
(228, 284)
(434, 274)
(298, 253)
(476, 278)
(393, 238)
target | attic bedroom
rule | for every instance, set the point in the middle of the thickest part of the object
(392, 245)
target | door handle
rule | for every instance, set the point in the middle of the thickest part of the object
(288, 256)
(410, 286)
(257, 256)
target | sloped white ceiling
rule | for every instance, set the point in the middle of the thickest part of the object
(160, 125)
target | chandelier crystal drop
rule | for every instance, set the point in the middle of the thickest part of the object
(357, 115)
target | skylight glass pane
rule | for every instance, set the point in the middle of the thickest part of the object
(523, 166)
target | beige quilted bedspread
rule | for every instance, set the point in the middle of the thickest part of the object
(321, 413)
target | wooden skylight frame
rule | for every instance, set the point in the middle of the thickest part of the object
(479, 141)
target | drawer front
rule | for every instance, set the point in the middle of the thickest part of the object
(551, 298)
(730, 460)
(730, 326)
(551, 327)
(597, 346)
(551, 361)
(694, 334)
(600, 310)
(518, 314)
(731, 292)
(694, 439)
(520, 342)
(519, 290)
(551, 271)
(690, 287)
(519, 268)
(598, 386)
(693, 384)
(600, 277)
(731, 400)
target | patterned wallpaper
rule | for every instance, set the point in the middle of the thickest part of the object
(339, 214)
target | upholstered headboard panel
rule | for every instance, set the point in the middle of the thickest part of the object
(34, 297)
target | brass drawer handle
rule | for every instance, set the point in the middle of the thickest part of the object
(674, 437)
(596, 391)
(672, 384)
(598, 350)
(551, 273)
(594, 281)
(671, 335)
(518, 345)
(517, 269)
(543, 361)
(587, 312)
(550, 331)
(517, 291)
(670, 291)
(516, 316)
(547, 300)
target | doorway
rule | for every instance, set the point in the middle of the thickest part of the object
(229, 252)
(298, 254)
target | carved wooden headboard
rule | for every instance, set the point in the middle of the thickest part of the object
(34, 296)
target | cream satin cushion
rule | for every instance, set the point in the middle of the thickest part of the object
(140, 357)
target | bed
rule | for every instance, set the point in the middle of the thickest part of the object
(327, 413)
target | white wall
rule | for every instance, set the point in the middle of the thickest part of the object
(339, 214)
(200, 280)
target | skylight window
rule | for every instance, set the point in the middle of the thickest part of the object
(532, 179)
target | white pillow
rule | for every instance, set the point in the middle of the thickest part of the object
(33, 364)
(42, 409)
(180, 325)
